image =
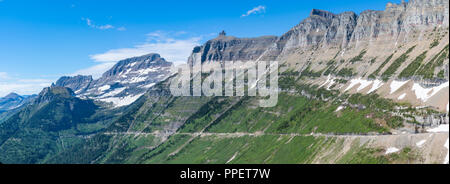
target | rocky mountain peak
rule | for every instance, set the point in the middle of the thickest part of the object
(222, 33)
(76, 83)
(53, 92)
(229, 48)
(137, 63)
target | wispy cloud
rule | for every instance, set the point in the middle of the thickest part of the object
(256, 10)
(168, 44)
(10, 84)
(4, 75)
(164, 43)
(96, 71)
(91, 24)
(121, 29)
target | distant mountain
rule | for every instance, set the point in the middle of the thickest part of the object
(13, 101)
(50, 123)
(124, 83)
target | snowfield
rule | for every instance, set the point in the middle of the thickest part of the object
(376, 84)
(149, 85)
(137, 80)
(420, 143)
(363, 84)
(122, 101)
(391, 150)
(113, 93)
(353, 83)
(395, 85)
(104, 88)
(401, 97)
(425, 93)
(339, 108)
(440, 128)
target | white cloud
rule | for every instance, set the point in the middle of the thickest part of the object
(166, 44)
(172, 49)
(3, 75)
(256, 10)
(10, 84)
(96, 71)
(90, 23)
(121, 29)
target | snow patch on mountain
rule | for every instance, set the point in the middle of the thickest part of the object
(330, 81)
(104, 88)
(395, 85)
(376, 84)
(113, 93)
(391, 150)
(121, 101)
(353, 83)
(339, 108)
(425, 93)
(149, 85)
(363, 84)
(401, 97)
(440, 128)
(420, 143)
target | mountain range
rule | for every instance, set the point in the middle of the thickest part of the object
(354, 88)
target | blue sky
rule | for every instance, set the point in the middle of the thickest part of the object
(43, 40)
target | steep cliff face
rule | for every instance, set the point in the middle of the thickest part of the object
(312, 31)
(367, 25)
(397, 20)
(397, 24)
(425, 13)
(341, 29)
(228, 48)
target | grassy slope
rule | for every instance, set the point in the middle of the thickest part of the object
(293, 114)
